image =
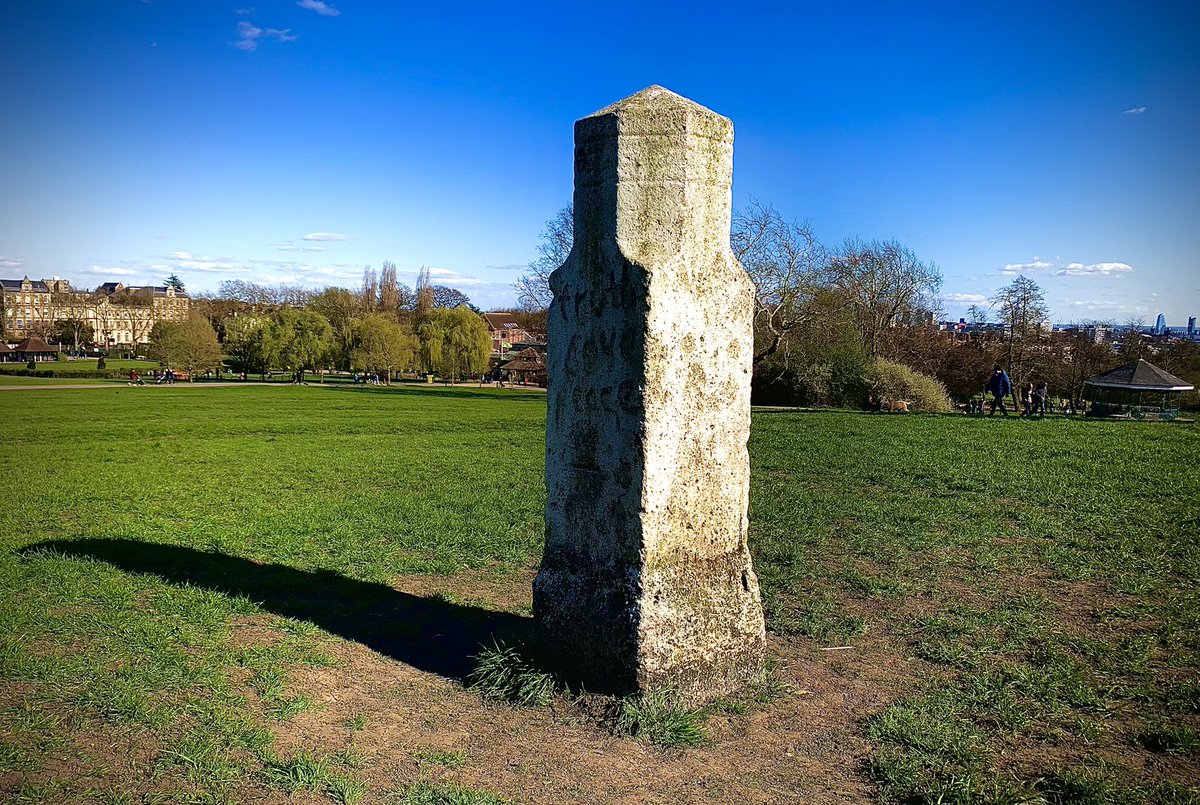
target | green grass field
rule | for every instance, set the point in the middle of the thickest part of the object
(186, 574)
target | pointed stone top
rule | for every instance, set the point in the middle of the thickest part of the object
(653, 99)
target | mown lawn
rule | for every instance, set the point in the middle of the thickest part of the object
(1037, 582)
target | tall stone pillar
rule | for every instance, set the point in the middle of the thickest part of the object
(646, 581)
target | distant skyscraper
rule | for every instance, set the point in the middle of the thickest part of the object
(1160, 326)
(1191, 326)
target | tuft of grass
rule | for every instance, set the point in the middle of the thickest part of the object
(424, 793)
(308, 772)
(450, 758)
(1169, 738)
(344, 790)
(660, 719)
(502, 673)
(304, 771)
(356, 722)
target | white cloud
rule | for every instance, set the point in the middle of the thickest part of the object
(1093, 270)
(325, 236)
(179, 256)
(973, 298)
(1137, 110)
(10, 262)
(1106, 269)
(1036, 264)
(319, 6)
(315, 249)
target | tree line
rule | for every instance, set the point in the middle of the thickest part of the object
(383, 327)
(840, 326)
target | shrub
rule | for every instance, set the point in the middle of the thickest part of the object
(895, 381)
(32, 365)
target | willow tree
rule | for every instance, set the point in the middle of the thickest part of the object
(298, 340)
(382, 344)
(454, 341)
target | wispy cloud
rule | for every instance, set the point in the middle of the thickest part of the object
(1137, 110)
(325, 236)
(111, 271)
(1093, 270)
(315, 249)
(11, 262)
(249, 35)
(966, 297)
(1109, 306)
(244, 12)
(179, 256)
(214, 266)
(319, 6)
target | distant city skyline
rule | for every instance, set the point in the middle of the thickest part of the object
(297, 142)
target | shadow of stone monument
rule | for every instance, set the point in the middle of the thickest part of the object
(429, 634)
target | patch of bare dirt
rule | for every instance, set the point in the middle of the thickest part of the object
(803, 747)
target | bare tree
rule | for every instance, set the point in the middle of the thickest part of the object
(884, 283)
(444, 296)
(133, 311)
(75, 307)
(425, 294)
(389, 288)
(1133, 340)
(787, 265)
(256, 297)
(1021, 305)
(533, 287)
(369, 289)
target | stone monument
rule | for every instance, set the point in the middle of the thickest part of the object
(646, 581)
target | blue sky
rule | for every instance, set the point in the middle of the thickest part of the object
(286, 141)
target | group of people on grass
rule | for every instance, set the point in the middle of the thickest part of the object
(160, 378)
(1034, 400)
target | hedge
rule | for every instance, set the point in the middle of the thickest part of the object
(107, 374)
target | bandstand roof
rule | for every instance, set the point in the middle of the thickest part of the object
(1139, 375)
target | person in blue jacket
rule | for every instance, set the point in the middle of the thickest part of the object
(999, 386)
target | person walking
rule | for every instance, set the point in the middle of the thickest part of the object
(999, 386)
(1041, 398)
(1027, 400)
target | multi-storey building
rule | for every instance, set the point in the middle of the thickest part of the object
(118, 314)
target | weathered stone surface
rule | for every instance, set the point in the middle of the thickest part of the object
(646, 581)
